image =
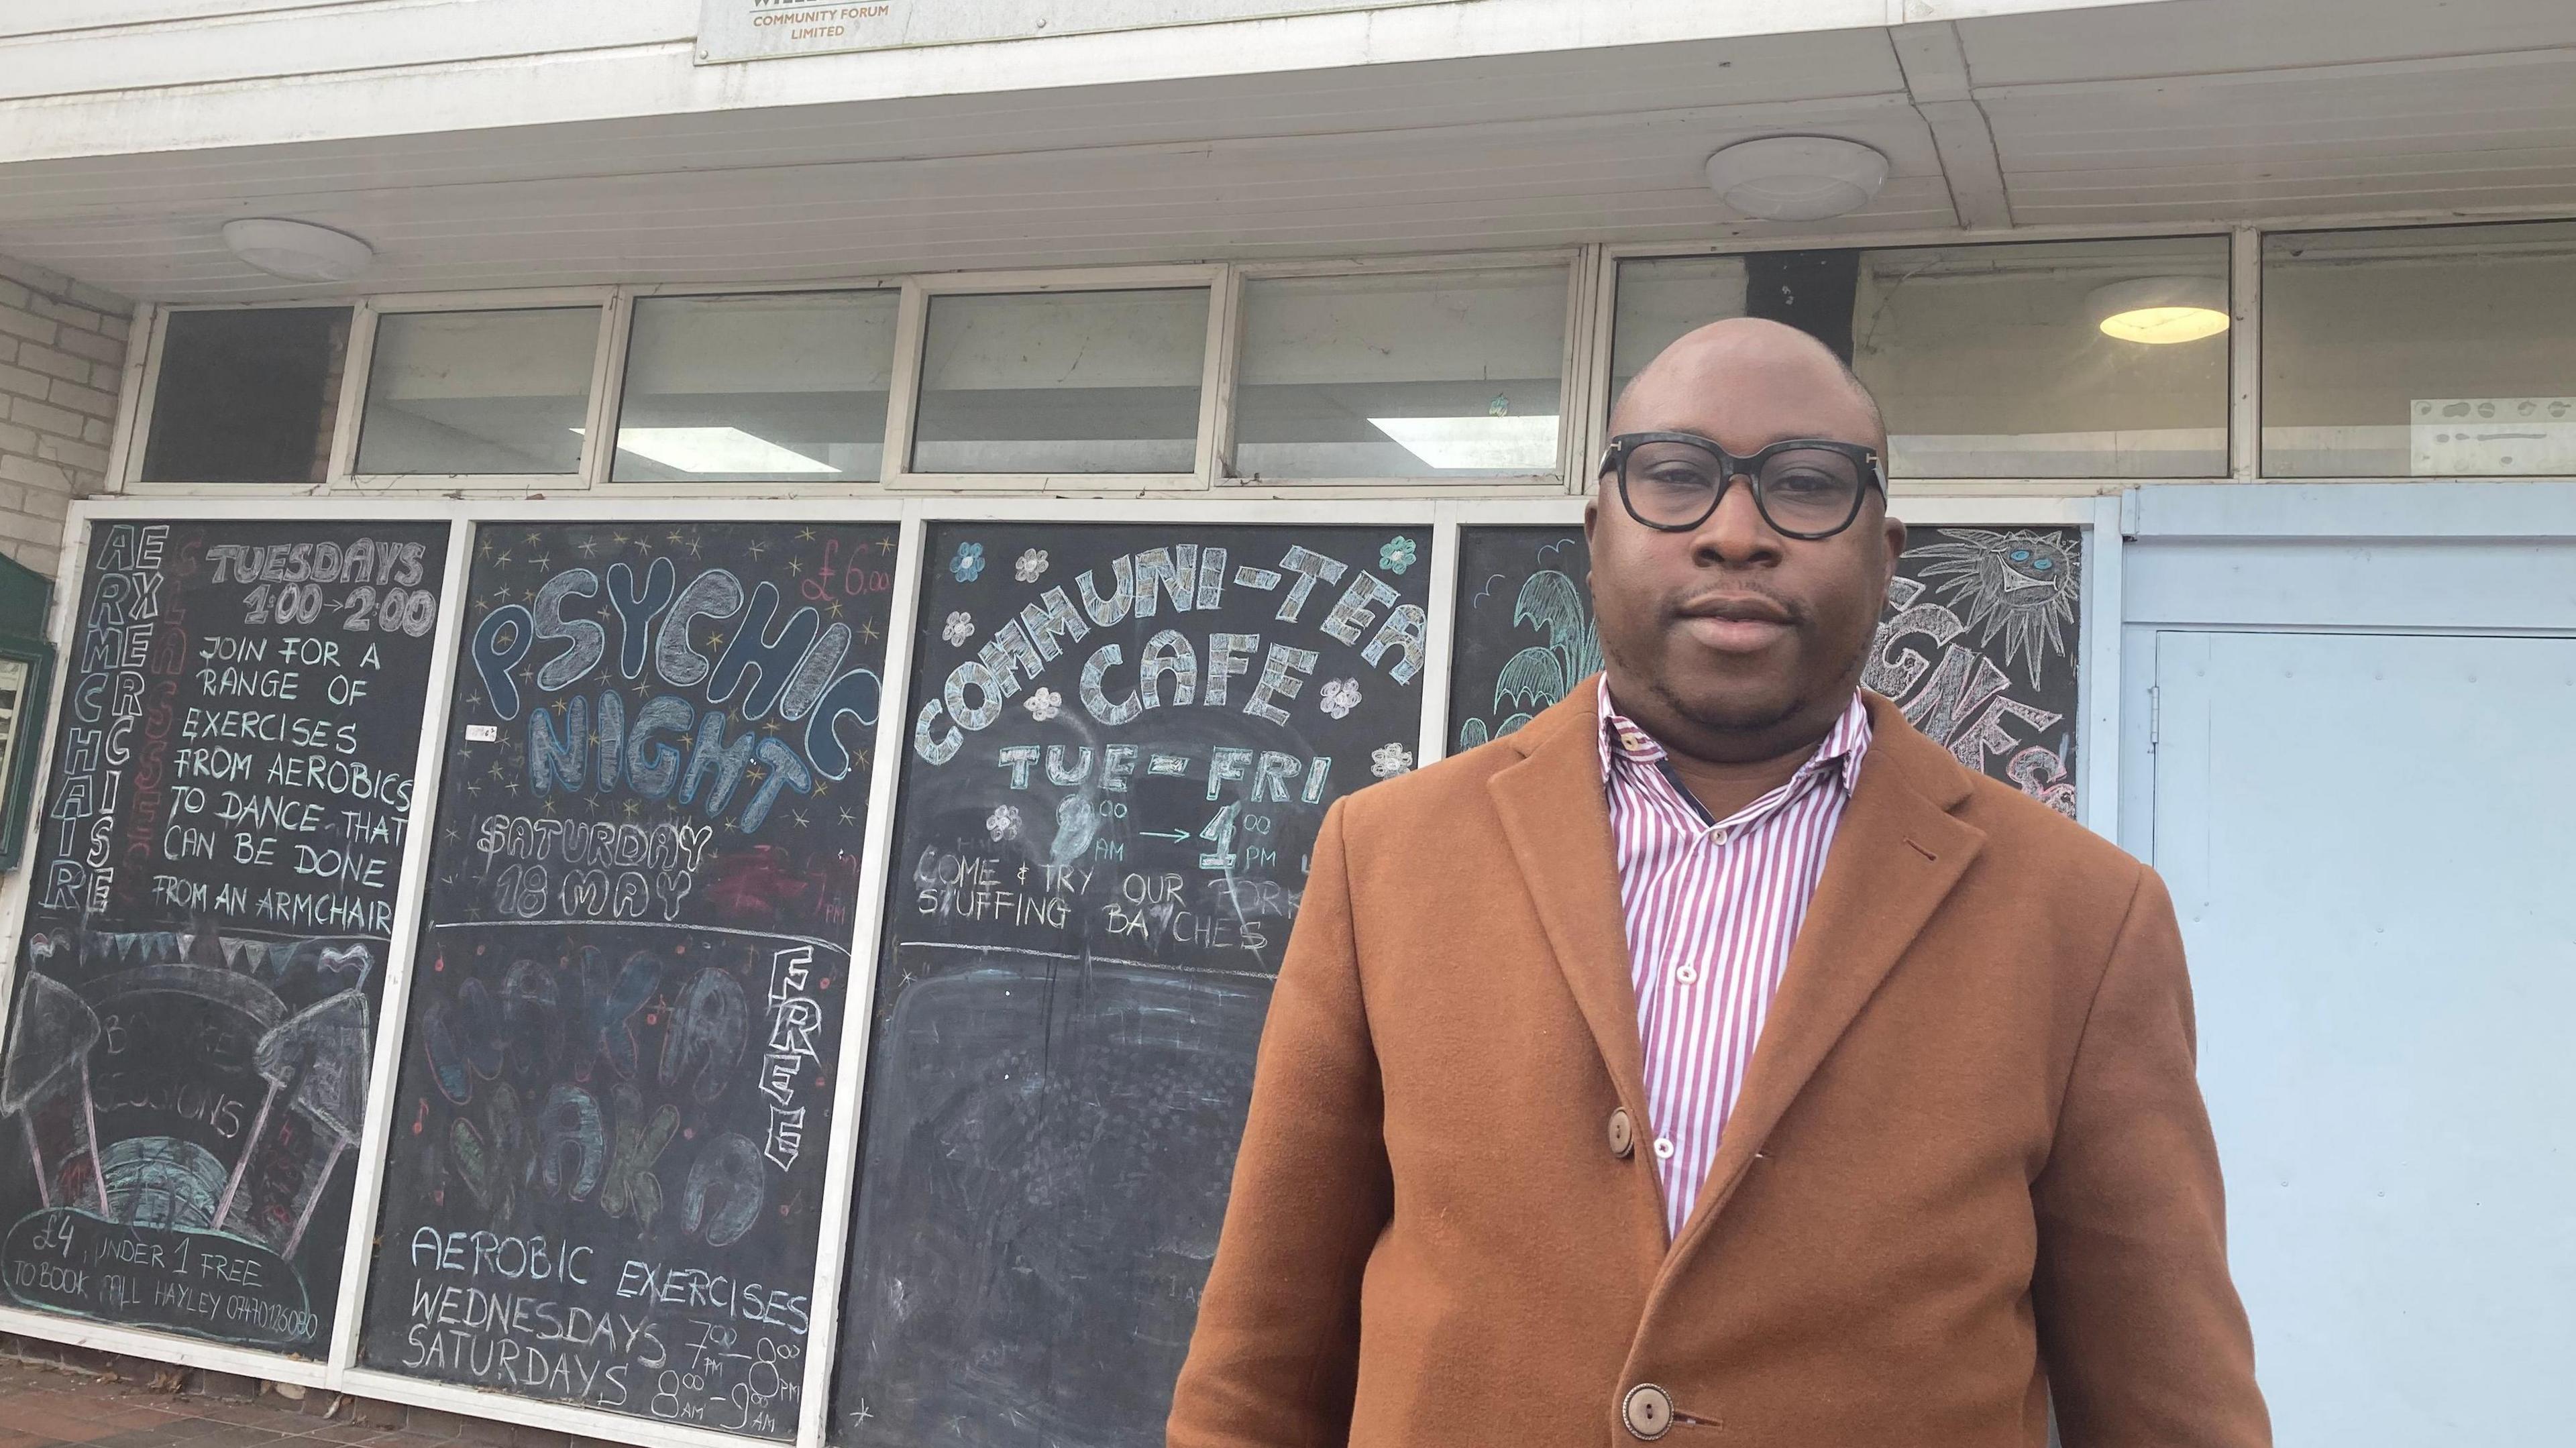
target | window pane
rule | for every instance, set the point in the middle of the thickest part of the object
(1996, 361)
(2423, 353)
(1062, 382)
(1991, 361)
(478, 392)
(1660, 300)
(247, 396)
(1455, 374)
(786, 388)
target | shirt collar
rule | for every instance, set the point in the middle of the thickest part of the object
(1844, 746)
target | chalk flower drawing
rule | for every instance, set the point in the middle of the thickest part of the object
(968, 565)
(1341, 696)
(1390, 760)
(1031, 564)
(960, 628)
(1003, 823)
(1397, 555)
(1044, 704)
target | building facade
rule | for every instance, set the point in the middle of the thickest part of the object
(589, 869)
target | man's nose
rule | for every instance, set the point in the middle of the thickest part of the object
(1736, 533)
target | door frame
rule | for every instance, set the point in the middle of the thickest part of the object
(2464, 558)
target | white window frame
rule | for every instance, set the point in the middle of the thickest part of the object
(362, 356)
(599, 466)
(1573, 343)
(911, 334)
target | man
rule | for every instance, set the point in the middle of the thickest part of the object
(1716, 1056)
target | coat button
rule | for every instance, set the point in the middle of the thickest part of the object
(1648, 1411)
(1623, 1134)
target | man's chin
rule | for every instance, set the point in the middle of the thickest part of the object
(1725, 711)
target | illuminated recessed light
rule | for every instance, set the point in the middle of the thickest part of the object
(1482, 444)
(2161, 310)
(714, 450)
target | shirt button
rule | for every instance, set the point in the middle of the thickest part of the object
(1623, 1134)
(1686, 974)
(1663, 1148)
(1647, 1412)
(1719, 837)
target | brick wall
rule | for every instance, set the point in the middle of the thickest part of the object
(62, 355)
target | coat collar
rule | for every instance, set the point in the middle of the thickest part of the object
(1896, 855)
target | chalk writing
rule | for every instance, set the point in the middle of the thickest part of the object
(634, 950)
(191, 1041)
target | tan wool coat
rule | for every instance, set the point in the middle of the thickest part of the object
(1969, 1173)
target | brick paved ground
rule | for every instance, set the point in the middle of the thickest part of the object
(102, 1401)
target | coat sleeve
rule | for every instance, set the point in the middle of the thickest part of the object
(1275, 1356)
(2144, 1338)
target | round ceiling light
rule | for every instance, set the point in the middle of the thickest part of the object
(298, 250)
(2161, 310)
(1796, 178)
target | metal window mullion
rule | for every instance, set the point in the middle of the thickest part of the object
(607, 390)
(355, 373)
(2245, 354)
(1225, 354)
(903, 389)
(137, 382)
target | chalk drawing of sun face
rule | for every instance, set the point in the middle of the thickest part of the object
(2020, 585)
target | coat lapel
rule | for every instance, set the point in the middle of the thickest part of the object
(1558, 822)
(1896, 855)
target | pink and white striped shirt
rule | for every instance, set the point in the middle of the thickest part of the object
(1712, 907)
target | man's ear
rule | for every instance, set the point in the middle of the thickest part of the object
(1895, 532)
(1591, 513)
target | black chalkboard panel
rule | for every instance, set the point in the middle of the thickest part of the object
(1978, 646)
(1123, 742)
(213, 892)
(618, 1063)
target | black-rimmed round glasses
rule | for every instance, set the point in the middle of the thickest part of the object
(1805, 488)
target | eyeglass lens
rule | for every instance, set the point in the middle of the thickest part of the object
(1803, 490)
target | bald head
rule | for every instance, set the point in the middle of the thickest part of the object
(1761, 376)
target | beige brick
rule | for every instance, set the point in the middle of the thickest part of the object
(19, 382)
(34, 277)
(85, 456)
(98, 299)
(70, 314)
(94, 431)
(13, 295)
(16, 439)
(44, 417)
(107, 375)
(117, 327)
(92, 347)
(54, 363)
(17, 323)
(82, 398)
(34, 474)
(8, 349)
(13, 499)
(43, 532)
(42, 504)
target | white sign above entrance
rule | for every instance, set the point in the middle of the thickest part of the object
(733, 30)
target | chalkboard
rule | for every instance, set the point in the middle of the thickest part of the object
(1124, 739)
(1978, 647)
(606, 1170)
(213, 893)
